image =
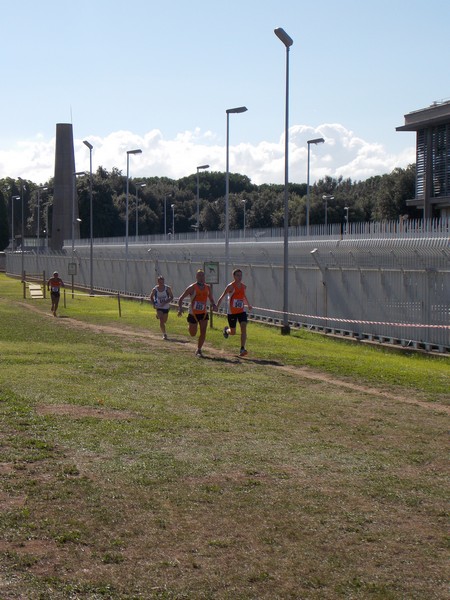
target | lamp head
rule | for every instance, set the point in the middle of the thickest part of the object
(316, 141)
(239, 109)
(203, 167)
(137, 151)
(86, 143)
(283, 36)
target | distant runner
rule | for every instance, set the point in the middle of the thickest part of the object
(200, 293)
(237, 299)
(53, 286)
(161, 297)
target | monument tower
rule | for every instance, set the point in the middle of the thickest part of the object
(65, 206)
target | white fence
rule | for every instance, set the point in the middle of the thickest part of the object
(393, 290)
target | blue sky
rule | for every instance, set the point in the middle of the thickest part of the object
(160, 75)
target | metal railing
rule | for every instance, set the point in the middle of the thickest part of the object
(410, 228)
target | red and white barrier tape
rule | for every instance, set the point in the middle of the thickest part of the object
(339, 320)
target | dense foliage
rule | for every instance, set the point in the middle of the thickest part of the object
(161, 199)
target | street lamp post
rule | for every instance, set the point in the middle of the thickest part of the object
(346, 219)
(46, 223)
(22, 189)
(326, 197)
(12, 222)
(309, 142)
(198, 198)
(239, 109)
(75, 175)
(39, 189)
(172, 206)
(137, 151)
(244, 202)
(91, 223)
(165, 213)
(138, 185)
(287, 41)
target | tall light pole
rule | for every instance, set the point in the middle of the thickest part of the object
(75, 175)
(39, 189)
(169, 195)
(244, 202)
(137, 151)
(46, 223)
(326, 197)
(346, 219)
(198, 198)
(232, 111)
(309, 142)
(91, 223)
(287, 41)
(22, 190)
(172, 206)
(138, 185)
(12, 222)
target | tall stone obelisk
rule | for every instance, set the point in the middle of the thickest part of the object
(65, 206)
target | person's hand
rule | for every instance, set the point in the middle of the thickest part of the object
(180, 311)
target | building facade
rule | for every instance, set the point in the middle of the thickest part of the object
(432, 127)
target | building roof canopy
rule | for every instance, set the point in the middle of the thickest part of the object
(436, 114)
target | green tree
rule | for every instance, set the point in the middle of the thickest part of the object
(394, 190)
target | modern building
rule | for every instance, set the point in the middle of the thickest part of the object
(432, 127)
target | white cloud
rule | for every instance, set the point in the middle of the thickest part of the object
(343, 154)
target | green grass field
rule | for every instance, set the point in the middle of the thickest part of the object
(313, 469)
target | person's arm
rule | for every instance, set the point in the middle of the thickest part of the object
(211, 299)
(152, 297)
(169, 293)
(225, 292)
(61, 282)
(186, 292)
(247, 300)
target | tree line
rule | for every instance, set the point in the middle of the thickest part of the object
(162, 200)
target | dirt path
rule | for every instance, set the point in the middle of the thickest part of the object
(154, 340)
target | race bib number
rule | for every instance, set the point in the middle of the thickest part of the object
(238, 303)
(199, 306)
(55, 289)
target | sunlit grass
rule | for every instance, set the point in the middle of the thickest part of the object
(131, 469)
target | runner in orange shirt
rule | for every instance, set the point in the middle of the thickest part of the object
(53, 286)
(200, 293)
(237, 299)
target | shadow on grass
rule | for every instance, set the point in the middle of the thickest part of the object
(257, 361)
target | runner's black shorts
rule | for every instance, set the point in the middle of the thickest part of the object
(233, 319)
(197, 318)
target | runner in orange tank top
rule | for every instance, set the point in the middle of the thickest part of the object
(237, 299)
(198, 316)
(53, 286)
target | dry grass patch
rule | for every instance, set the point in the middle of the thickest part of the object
(211, 479)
